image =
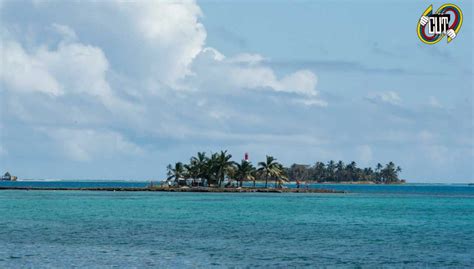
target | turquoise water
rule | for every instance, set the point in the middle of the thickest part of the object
(390, 226)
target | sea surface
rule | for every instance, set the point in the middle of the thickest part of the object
(408, 226)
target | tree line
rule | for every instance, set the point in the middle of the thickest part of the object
(341, 172)
(218, 169)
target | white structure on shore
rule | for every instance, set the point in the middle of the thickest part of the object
(8, 177)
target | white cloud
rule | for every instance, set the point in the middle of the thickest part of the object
(248, 72)
(169, 31)
(65, 31)
(389, 97)
(25, 73)
(247, 58)
(213, 54)
(301, 82)
(174, 31)
(311, 102)
(255, 77)
(71, 68)
(145, 71)
(81, 69)
(65, 85)
(86, 144)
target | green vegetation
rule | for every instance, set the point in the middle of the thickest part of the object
(245, 172)
(270, 169)
(213, 170)
(219, 168)
(340, 172)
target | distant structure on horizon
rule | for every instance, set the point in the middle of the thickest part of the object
(8, 177)
(246, 157)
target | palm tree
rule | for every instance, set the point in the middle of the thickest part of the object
(319, 171)
(389, 173)
(197, 167)
(279, 175)
(210, 169)
(190, 172)
(245, 171)
(399, 170)
(331, 170)
(340, 171)
(219, 166)
(351, 170)
(378, 169)
(257, 175)
(368, 174)
(270, 168)
(177, 172)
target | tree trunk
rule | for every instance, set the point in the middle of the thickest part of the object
(266, 181)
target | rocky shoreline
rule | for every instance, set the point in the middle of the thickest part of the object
(186, 189)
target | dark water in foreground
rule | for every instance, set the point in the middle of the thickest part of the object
(373, 226)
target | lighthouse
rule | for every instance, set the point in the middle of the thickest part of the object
(246, 157)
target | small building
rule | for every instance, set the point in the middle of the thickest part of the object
(8, 177)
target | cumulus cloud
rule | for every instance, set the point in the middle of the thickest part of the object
(21, 72)
(174, 31)
(247, 58)
(81, 69)
(301, 82)
(84, 144)
(72, 85)
(137, 79)
(247, 71)
(71, 68)
(65, 84)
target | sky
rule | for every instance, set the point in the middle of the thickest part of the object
(118, 90)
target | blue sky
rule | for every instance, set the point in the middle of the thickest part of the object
(116, 90)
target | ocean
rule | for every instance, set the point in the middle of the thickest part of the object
(391, 226)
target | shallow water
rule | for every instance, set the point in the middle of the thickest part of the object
(371, 227)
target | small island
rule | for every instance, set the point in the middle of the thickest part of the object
(218, 171)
